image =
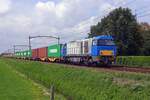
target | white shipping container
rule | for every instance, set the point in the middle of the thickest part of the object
(74, 48)
(80, 47)
(86, 46)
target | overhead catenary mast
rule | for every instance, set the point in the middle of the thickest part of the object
(31, 37)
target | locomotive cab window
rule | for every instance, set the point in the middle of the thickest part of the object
(94, 42)
(103, 42)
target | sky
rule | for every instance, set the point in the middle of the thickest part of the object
(67, 19)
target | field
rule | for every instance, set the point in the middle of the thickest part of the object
(137, 61)
(15, 86)
(85, 84)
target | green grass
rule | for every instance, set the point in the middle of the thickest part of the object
(137, 61)
(15, 86)
(86, 84)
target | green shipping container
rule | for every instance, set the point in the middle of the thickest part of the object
(21, 54)
(27, 53)
(54, 51)
(17, 54)
(24, 54)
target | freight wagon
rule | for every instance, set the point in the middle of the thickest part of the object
(27, 54)
(54, 52)
(23, 54)
(50, 53)
(34, 54)
(39, 54)
(17, 54)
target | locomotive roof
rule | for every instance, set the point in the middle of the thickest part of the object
(103, 37)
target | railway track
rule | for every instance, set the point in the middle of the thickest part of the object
(113, 68)
(130, 69)
(108, 68)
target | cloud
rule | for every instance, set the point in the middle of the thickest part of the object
(64, 18)
(106, 8)
(68, 13)
(5, 6)
(48, 6)
(52, 8)
(120, 2)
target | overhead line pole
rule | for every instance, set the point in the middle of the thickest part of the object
(29, 43)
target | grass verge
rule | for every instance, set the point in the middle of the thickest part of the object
(137, 61)
(16, 86)
(85, 84)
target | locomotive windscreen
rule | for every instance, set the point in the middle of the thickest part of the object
(105, 42)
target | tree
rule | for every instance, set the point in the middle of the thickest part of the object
(145, 30)
(123, 26)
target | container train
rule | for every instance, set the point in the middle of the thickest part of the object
(97, 50)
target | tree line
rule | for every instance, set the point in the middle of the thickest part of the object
(131, 37)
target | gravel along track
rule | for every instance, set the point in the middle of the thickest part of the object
(130, 69)
(112, 68)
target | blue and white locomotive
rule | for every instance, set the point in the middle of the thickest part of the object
(96, 50)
